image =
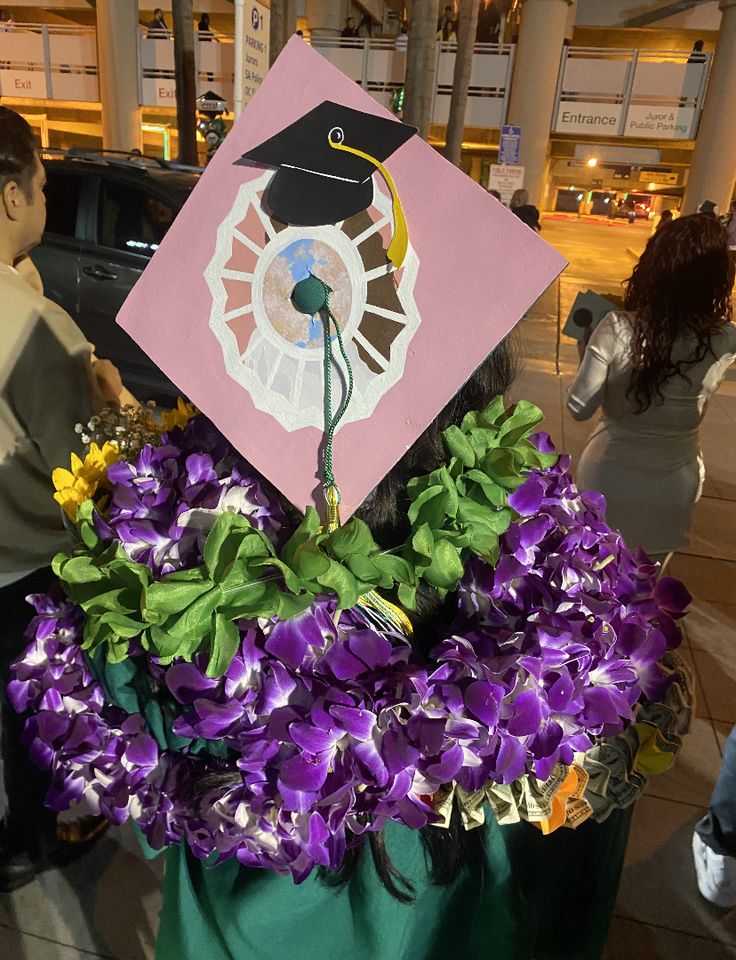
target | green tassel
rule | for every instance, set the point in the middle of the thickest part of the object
(312, 296)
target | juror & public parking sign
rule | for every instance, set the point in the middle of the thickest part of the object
(660, 123)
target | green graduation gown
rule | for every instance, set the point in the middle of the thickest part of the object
(544, 898)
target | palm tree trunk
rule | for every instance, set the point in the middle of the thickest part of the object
(467, 24)
(289, 20)
(421, 56)
(276, 38)
(186, 80)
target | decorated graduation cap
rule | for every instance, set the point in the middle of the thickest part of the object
(322, 357)
(330, 284)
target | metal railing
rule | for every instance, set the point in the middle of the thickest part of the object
(647, 94)
(48, 62)
(214, 58)
(379, 66)
(600, 90)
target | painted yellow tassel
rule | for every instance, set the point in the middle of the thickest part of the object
(400, 241)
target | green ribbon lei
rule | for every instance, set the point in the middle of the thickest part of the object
(456, 512)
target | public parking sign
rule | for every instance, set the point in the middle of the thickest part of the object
(506, 179)
(510, 146)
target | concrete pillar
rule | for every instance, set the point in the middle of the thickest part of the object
(713, 167)
(327, 14)
(541, 34)
(117, 58)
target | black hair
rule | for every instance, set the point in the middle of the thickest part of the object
(448, 851)
(680, 289)
(18, 151)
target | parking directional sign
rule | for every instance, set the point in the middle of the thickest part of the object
(509, 148)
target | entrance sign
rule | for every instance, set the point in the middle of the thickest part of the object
(592, 118)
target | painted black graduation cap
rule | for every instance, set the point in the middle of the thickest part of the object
(316, 184)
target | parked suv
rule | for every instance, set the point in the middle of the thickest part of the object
(106, 215)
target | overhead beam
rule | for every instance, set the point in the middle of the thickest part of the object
(668, 10)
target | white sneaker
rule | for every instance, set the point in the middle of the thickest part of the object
(716, 874)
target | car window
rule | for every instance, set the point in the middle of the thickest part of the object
(63, 189)
(132, 219)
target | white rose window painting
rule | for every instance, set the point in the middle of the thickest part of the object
(327, 215)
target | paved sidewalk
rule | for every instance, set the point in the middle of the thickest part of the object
(660, 914)
(107, 905)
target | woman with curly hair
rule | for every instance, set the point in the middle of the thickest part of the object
(652, 368)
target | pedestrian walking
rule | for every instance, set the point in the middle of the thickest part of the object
(41, 350)
(665, 217)
(402, 41)
(204, 31)
(157, 29)
(489, 22)
(525, 211)
(447, 25)
(709, 208)
(730, 225)
(349, 30)
(205, 35)
(714, 840)
(651, 369)
(697, 55)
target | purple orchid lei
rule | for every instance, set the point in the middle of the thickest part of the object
(329, 724)
(164, 503)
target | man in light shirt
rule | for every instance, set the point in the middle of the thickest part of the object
(49, 381)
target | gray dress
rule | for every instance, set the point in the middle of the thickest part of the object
(648, 465)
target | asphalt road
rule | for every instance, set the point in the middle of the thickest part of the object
(601, 255)
(598, 252)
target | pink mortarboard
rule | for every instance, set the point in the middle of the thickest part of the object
(282, 203)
